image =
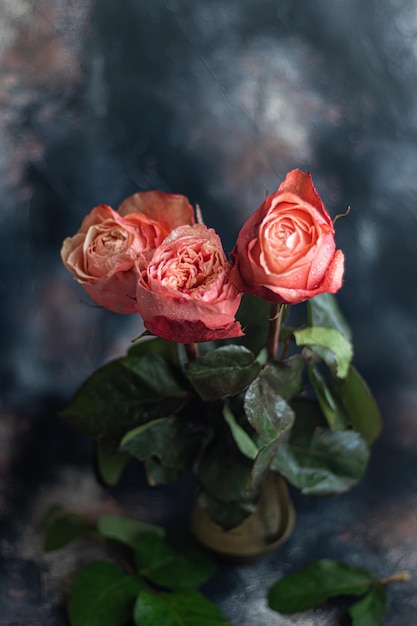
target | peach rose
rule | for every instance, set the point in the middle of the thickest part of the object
(286, 252)
(102, 255)
(184, 294)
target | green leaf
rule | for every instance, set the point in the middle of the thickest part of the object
(126, 531)
(330, 405)
(229, 514)
(262, 464)
(174, 565)
(253, 314)
(186, 608)
(117, 397)
(157, 374)
(319, 461)
(50, 513)
(243, 440)
(223, 372)
(340, 348)
(286, 377)
(110, 463)
(370, 610)
(172, 440)
(223, 473)
(64, 530)
(265, 408)
(158, 474)
(102, 595)
(360, 406)
(324, 311)
(155, 345)
(314, 584)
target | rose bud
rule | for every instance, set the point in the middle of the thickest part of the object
(103, 253)
(184, 293)
(285, 252)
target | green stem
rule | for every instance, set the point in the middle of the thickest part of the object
(274, 327)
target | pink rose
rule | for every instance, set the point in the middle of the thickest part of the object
(286, 252)
(102, 255)
(184, 294)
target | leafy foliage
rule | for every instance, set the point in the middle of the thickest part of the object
(338, 351)
(223, 372)
(175, 564)
(317, 460)
(186, 608)
(317, 582)
(126, 393)
(64, 527)
(234, 412)
(110, 463)
(314, 584)
(103, 594)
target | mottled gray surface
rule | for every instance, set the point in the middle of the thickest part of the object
(215, 100)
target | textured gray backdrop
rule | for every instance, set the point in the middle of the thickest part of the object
(215, 100)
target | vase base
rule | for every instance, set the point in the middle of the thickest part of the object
(258, 535)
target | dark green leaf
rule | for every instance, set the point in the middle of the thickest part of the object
(173, 565)
(115, 399)
(262, 464)
(155, 345)
(50, 513)
(158, 474)
(286, 377)
(253, 314)
(186, 608)
(265, 408)
(360, 406)
(319, 461)
(223, 372)
(172, 440)
(370, 610)
(227, 515)
(102, 595)
(224, 474)
(64, 530)
(124, 530)
(324, 311)
(157, 374)
(110, 463)
(341, 350)
(243, 440)
(314, 584)
(330, 405)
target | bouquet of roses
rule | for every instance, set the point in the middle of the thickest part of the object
(227, 380)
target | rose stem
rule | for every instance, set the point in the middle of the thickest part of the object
(192, 351)
(274, 327)
(400, 577)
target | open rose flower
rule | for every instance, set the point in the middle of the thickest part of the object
(184, 293)
(285, 252)
(102, 255)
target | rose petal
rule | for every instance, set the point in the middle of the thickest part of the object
(169, 209)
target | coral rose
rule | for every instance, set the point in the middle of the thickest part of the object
(102, 255)
(184, 293)
(285, 252)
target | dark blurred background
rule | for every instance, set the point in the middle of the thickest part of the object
(217, 101)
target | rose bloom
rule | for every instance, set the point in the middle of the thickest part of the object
(102, 255)
(184, 293)
(285, 252)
